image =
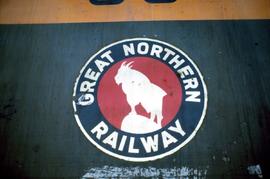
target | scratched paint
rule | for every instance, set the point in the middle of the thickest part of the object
(255, 170)
(42, 139)
(130, 172)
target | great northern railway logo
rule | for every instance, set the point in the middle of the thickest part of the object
(139, 99)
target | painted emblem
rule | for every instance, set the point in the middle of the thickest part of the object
(139, 99)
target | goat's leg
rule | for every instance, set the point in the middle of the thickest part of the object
(159, 119)
(152, 116)
(159, 113)
(132, 103)
(133, 110)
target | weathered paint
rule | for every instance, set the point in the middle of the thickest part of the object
(255, 170)
(149, 172)
(39, 64)
(94, 128)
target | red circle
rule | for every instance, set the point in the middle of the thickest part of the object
(112, 100)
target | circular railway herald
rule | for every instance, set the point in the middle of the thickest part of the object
(139, 99)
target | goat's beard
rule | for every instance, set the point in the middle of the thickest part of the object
(117, 81)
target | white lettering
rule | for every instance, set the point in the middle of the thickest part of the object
(191, 83)
(168, 53)
(108, 56)
(129, 49)
(86, 99)
(156, 50)
(177, 128)
(101, 64)
(193, 96)
(185, 71)
(176, 61)
(131, 148)
(143, 48)
(91, 75)
(167, 139)
(150, 143)
(100, 129)
(111, 139)
(86, 86)
(122, 143)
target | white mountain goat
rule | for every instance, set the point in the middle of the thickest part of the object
(139, 89)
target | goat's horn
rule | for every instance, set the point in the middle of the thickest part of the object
(129, 64)
(123, 64)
